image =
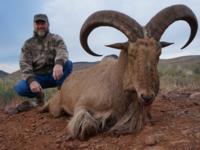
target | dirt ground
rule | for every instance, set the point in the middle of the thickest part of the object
(176, 126)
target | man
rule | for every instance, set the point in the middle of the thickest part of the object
(44, 63)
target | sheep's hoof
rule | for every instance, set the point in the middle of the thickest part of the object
(69, 137)
(83, 125)
(42, 109)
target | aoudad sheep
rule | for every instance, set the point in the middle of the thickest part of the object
(116, 94)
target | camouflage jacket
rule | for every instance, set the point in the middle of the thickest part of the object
(39, 56)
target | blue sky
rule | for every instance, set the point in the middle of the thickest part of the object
(67, 16)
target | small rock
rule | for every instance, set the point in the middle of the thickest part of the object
(69, 146)
(181, 142)
(155, 148)
(84, 145)
(195, 96)
(150, 141)
(27, 130)
(43, 122)
(58, 146)
(41, 117)
(198, 135)
(186, 132)
(58, 141)
(183, 145)
(96, 141)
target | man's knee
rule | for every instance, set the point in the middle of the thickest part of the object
(68, 66)
(21, 88)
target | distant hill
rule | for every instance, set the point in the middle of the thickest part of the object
(3, 73)
(83, 65)
(76, 66)
(182, 60)
(181, 64)
(189, 64)
(12, 76)
(185, 63)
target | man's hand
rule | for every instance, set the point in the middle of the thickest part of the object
(35, 87)
(57, 72)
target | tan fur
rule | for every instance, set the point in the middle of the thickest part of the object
(110, 90)
(53, 105)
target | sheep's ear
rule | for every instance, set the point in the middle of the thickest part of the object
(165, 44)
(121, 46)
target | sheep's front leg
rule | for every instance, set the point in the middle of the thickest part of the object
(82, 125)
(53, 105)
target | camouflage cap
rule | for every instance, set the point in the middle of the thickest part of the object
(42, 17)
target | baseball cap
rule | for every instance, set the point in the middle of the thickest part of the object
(42, 17)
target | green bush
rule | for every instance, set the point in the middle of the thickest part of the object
(6, 91)
(179, 76)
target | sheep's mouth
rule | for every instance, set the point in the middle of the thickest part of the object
(148, 102)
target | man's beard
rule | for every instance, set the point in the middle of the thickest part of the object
(41, 33)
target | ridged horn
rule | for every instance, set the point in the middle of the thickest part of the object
(160, 22)
(115, 19)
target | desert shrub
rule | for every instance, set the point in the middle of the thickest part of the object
(179, 76)
(6, 91)
(197, 70)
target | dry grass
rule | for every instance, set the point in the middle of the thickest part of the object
(179, 76)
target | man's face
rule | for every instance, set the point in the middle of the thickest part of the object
(41, 27)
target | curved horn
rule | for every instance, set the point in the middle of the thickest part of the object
(114, 19)
(159, 23)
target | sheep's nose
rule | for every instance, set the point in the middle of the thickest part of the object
(147, 98)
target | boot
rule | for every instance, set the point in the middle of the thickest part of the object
(24, 106)
(59, 87)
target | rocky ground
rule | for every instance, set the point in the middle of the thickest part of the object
(176, 126)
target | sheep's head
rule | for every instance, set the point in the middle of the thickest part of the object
(143, 47)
